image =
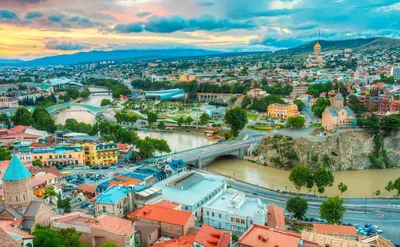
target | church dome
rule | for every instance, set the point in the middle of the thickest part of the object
(16, 171)
(317, 45)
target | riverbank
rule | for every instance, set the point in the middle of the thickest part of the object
(361, 184)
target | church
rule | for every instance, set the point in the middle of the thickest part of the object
(337, 115)
(19, 202)
(316, 60)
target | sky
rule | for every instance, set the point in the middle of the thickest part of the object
(36, 28)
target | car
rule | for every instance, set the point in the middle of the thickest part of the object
(84, 204)
(377, 229)
(113, 167)
(120, 166)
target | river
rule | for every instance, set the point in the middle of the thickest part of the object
(360, 183)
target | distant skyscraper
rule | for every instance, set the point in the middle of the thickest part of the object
(395, 72)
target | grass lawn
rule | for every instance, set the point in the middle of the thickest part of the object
(251, 116)
(265, 128)
(316, 125)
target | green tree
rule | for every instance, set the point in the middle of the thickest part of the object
(42, 120)
(323, 178)
(85, 93)
(109, 244)
(296, 122)
(236, 118)
(23, 117)
(105, 102)
(45, 236)
(342, 188)
(4, 118)
(377, 193)
(189, 120)
(146, 148)
(261, 105)
(389, 187)
(300, 104)
(332, 210)
(180, 121)
(161, 126)
(37, 162)
(204, 118)
(49, 192)
(59, 201)
(301, 176)
(66, 205)
(5, 154)
(152, 118)
(319, 106)
(394, 186)
(298, 206)
(70, 238)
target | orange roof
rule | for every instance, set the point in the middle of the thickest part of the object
(114, 224)
(46, 177)
(335, 230)
(4, 164)
(122, 146)
(91, 188)
(125, 181)
(276, 217)
(184, 241)
(17, 232)
(53, 170)
(166, 215)
(167, 204)
(208, 236)
(263, 236)
(133, 213)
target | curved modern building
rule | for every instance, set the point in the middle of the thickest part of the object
(171, 94)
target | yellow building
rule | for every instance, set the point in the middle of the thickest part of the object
(282, 111)
(62, 155)
(101, 154)
(187, 78)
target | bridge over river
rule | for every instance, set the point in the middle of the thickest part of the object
(90, 108)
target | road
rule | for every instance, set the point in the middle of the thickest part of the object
(389, 221)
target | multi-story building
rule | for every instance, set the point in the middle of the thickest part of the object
(395, 72)
(63, 155)
(232, 210)
(95, 231)
(298, 90)
(187, 78)
(6, 102)
(191, 190)
(101, 154)
(317, 59)
(208, 236)
(282, 111)
(116, 200)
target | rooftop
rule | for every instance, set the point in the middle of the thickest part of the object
(337, 230)
(16, 170)
(113, 194)
(114, 224)
(193, 194)
(208, 236)
(163, 214)
(276, 217)
(184, 241)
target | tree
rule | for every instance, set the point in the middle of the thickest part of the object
(161, 145)
(66, 205)
(146, 148)
(45, 236)
(323, 178)
(319, 106)
(37, 162)
(23, 117)
(298, 206)
(5, 154)
(377, 193)
(85, 93)
(189, 120)
(389, 187)
(42, 120)
(300, 104)
(49, 192)
(332, 210)
(161, 126)
(296, 122)
(180, 121)
(342, 187)
(152, 118)
(105, 102)
(394, 186)
(109, 244)
(237, 119)
(301, 176)
(204, 118)
(70, 238)
(4, 118)
(59, 201)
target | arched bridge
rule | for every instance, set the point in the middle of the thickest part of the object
(90, 108)
(202, 156)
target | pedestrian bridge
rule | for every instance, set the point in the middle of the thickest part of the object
(90, 108)
(202, 156)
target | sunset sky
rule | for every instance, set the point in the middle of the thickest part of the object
(37, 28)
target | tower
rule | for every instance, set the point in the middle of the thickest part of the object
(317, 46)
(17, 184)
(337, 101)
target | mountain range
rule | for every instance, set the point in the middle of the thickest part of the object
(96, 56)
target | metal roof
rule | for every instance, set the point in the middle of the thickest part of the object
(16, 170)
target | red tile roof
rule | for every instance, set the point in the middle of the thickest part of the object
(53, 170)
(263, 236)
(166, 215)
(90, 188)
(114, 224)
(184, 241)
(208, 236)
(167, 204)
(125, 181)
(335, 230)
(276, 217)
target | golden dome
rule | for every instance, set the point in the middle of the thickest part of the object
(317, 45)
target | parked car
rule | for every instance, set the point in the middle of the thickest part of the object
(84, 204)
(377, 229)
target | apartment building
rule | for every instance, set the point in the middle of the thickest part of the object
(101, 154)
(282, 111)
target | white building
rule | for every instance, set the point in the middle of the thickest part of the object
(232, 210)
(395, 72)
(6, 102)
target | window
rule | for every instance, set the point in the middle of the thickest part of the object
(242, 221)
(208, 213)
(23, 197)
(104, 209)
(232, 219)
(212, 214)
(251, 222)
(237, 220)
(16, 198)
(178, 229)
(219, 215)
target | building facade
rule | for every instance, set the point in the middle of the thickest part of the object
(7, 102)
(337, 115)
(101, 154)
(282, 111)
(187, 78)
(60, 155)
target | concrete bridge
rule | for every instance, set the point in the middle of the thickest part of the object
(213, 97)
(60, 107)
(202, 156)
(109, 92)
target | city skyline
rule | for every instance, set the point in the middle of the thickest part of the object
(37, 28)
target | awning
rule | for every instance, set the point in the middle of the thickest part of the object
(148, 192)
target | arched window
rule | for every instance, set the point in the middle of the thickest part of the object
(23, 197)
(16, 198)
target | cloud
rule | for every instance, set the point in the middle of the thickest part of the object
(56, 18)
(204, 3)
(143, 14)
(33, 15)
(65, 45)
(30, 1)
(83, 22)
(7, 16)
(161, 24)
